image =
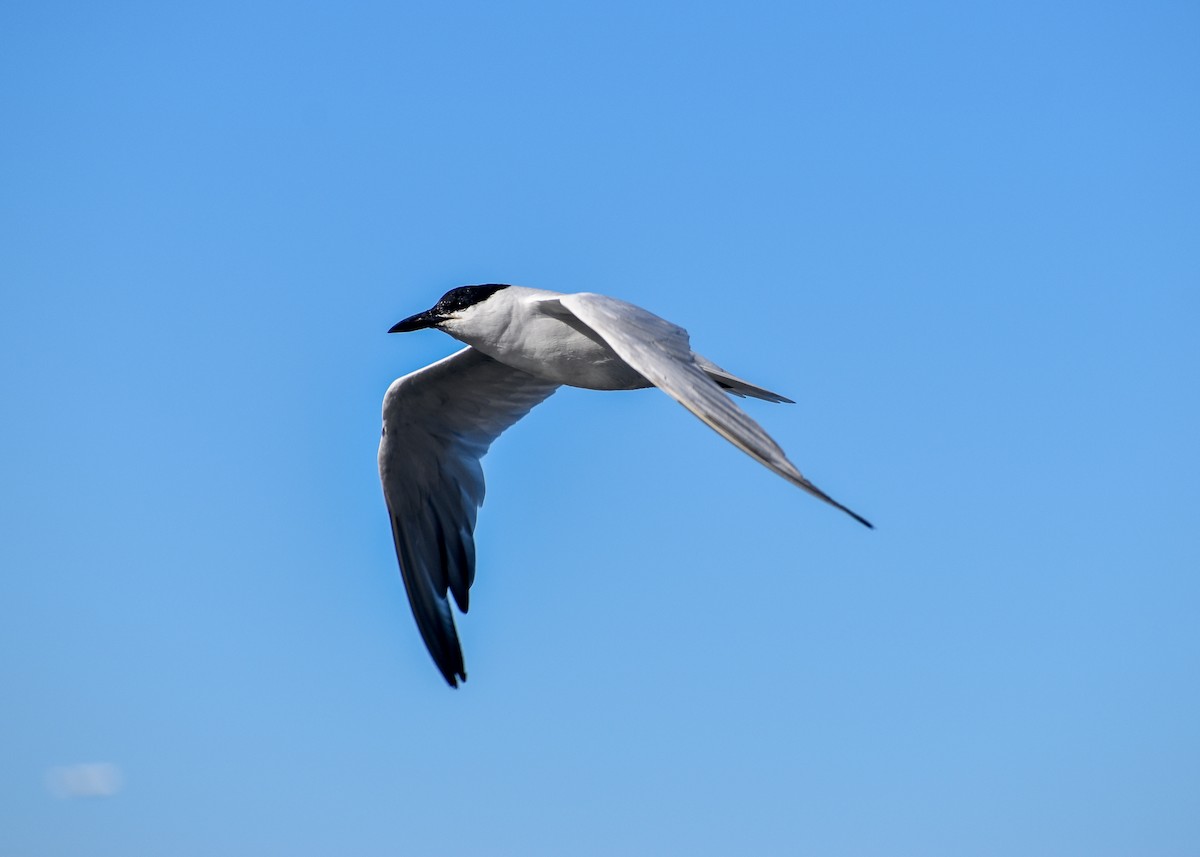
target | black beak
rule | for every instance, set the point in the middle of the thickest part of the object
(416, 322)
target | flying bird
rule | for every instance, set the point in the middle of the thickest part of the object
(522, 345)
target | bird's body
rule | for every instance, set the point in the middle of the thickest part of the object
(523, 344)
(527, 329)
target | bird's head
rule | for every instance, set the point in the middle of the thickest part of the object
(456, 306)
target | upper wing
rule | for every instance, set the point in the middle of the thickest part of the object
(661, 352)
(437, 423)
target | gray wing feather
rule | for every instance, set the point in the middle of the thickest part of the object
(438, 423)
(735, 386)
(662, 352)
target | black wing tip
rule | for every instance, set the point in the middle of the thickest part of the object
(818, 493)
(451, 665)
(855, 516)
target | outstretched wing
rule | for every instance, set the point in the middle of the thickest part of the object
(437, 423)
(662, 353)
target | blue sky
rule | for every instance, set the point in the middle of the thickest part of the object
(962, 236)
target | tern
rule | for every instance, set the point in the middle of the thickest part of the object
(522, 345)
